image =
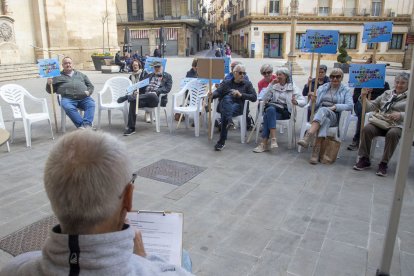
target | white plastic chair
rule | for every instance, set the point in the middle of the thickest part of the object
(333, 131)
(63, 114)
(351, 117)
(117, 86)
(197, 91)
(14, 95)
(280, 123)
(241, 119)
(155, 112)
(2, 125)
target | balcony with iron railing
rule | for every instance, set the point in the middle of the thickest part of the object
(139, 17)
(326, 11)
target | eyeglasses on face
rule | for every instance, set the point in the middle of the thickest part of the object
(241, 73)
(335, 77)
(267, 73)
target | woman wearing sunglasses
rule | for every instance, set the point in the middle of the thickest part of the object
(279, 99)
(332, 98)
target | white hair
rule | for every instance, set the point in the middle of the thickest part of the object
(238, 67)
(85, 175)
(265, 68)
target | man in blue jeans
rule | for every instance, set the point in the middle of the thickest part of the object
(232, 94)
(75, 89)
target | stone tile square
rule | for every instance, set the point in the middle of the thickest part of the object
(172, 172)
(303, 262)
(349, 231)
(341, 259)
(312, 241)
(271, 263)
(376, 243)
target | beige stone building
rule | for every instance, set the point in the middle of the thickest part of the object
(33, 29)
(265, 25)
(181, 21)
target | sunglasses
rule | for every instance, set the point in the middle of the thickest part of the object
(267, 73)
(335, 77)
(241, 73)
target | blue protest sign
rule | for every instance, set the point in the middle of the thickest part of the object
(377, 32)
(213, 81)
(48, 68)
(367, 75)
(137, 85)
(148, 63)
(321, 41)
(302, 43)
(226, 65)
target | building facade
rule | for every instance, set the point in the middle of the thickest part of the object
(262, 28)
(34, 29)
(174, 25)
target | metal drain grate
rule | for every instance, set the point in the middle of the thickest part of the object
(29, 238)
(172, 172)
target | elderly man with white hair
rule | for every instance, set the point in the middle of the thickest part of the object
(232, 94)
(89, 182)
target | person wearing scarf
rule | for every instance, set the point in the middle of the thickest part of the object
(279, 99)
(391, 105)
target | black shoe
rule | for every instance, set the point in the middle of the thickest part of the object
(122, 99)
(129, 131)
(354, 146)
(219, 146)
(230, 124)
(382, 169)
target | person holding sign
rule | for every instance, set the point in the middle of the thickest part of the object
(91, 202)
(322, 79)
(232, 94)
(332, 98)
(159, 83)
(279, 99)
(387, 120)
(76, 90)
(373, 94)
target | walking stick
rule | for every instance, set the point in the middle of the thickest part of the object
(210, 136)
(315, 90)
(311, 74)
(137, 103)
(54, 106)
(364, 103)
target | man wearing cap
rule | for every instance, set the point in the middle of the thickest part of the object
(160, 83)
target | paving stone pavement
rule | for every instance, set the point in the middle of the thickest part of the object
(246, 214)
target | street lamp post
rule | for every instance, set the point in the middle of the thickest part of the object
(291, 63)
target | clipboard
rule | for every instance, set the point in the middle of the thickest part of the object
(162, 233)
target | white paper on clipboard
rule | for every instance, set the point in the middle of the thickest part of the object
(162, 233)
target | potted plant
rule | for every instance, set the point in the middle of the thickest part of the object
(343, 58)
(100, 59)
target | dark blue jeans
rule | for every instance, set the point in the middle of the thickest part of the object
(228, 110)
(270, 117)
(71, 108)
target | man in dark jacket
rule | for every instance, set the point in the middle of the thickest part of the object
(76, 90)
(160, 84)
(232, 94)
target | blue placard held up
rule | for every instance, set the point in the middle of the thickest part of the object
(138, 85)
(377, 32)
(48, 68)
(321, 41)
(148, 63)
(367, 75)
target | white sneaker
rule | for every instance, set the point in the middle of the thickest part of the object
(260, 148)
(273, 143)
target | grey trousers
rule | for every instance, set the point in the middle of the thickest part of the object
(326, 119)
(392, 136)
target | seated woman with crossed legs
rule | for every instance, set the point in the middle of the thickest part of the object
(332, 98)
(279, 100)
